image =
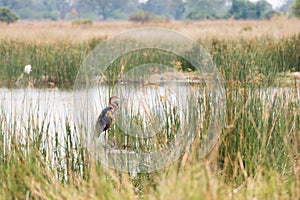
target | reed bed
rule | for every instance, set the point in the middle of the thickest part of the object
(58, 63)
(257, 156)
(56, 50)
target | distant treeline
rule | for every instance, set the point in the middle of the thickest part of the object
(137, 10)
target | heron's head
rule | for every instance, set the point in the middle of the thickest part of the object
(113, 100)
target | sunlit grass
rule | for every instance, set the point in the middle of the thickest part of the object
(48, 32)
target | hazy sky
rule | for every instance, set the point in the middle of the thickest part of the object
(275, 3)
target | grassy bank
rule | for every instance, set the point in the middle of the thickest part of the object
(224, 29)
(239, 59)
(240, 49)
(57, 63)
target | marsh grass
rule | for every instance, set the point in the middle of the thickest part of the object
(257, 156)
(58, 63)
(52, 63)
(51, 32)
(254, 60)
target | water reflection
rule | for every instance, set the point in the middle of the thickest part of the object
(55, 106)
(27, 113)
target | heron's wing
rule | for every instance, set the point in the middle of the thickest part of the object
(104, 120)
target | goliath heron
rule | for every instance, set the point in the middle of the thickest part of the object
(107, 116)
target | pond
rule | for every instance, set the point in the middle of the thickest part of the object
(178, 113)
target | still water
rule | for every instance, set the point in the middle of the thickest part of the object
(25, 107)
(47, 112)
(28, 110)
(50, 109)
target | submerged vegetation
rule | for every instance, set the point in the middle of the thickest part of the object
(257, 156)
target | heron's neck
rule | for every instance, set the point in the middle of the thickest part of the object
(114, 104)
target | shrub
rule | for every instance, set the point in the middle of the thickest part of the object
(270, 14)
(7, 16)
(82, 22)
(50, 15)
(141, 16)
(296, 8)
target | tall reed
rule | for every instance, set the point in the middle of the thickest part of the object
(239, 59)
(257, 155)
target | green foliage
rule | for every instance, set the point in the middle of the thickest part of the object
(7, 16)
(177, 9)
(270, 14)
(205, 9)
(243, 9)
(26, 13)
(296, 8)
(196, 15)
(82, 22)
(59, 62)
(156, 6)
(258, 153)
(169, 8)
(122, 9)
(265, 56)
(142, 16)
(103, 8)
(36, 9)
(50, 16)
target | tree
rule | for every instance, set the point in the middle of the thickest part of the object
(105, 8)
(244, 9)
(7, 16)
(131, 6)
(262, 8)
(206, 9)
(157, 7)
(177, 8)
(39, 9)
(141, 16)
(60, 6)
(14, 4)
(241, 9)
(167, 8)
(296, 8)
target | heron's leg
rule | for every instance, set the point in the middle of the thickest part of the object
(113, 142)
(105, 139)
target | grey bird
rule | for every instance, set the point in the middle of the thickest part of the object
(107, 116)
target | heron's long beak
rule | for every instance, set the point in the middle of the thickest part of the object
(121, 99)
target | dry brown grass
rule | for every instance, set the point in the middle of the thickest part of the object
(66, 32)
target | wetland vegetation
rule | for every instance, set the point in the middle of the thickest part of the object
(258, 152)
